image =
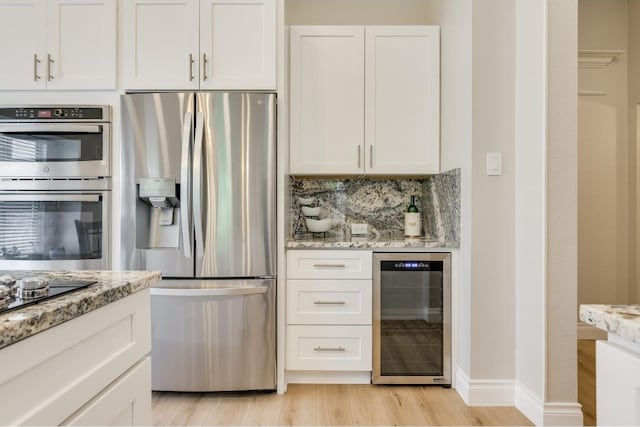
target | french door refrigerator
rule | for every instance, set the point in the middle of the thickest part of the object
(198, 204)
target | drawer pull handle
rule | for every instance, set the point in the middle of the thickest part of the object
(329, 302)
(329, 265)
(329, 349)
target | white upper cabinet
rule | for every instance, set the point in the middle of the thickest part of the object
(402, 72)
(199, 44)
(327, 100)
(58, 44)
(365, 100)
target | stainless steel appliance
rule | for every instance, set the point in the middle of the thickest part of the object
(412, 318)
(55, 141)
(55, 188)
(199, 182)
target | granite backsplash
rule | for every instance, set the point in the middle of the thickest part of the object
(381, 203)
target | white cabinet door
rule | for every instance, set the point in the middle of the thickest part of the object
(238, 44)
(126, 402)
(22, 29)
(327, 100)
(402, 100)
(81, 50)
(159, 42)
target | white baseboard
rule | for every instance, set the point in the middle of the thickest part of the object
(484, 392)
(328, 377)
(547, 414)
(588, 332)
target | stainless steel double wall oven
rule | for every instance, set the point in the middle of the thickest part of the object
(55, 187)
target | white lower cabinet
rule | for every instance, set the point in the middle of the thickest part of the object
(126, 402)
(91, 370)
(329, 348)
(617, 382)
(329, 301)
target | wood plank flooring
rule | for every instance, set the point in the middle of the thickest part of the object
(329, 405)
(358, 405)
(587, 380)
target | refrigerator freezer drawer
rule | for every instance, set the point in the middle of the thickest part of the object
(213, 335)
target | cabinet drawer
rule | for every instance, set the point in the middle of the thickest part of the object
(329, 348)
(329, 264)
(326, 302)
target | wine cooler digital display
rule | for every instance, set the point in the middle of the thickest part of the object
(411, 318)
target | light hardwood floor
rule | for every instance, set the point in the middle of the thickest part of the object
(587, 380)
(329, 405)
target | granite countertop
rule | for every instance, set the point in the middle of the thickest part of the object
(620, 320)
(112, 285)
(337, 242)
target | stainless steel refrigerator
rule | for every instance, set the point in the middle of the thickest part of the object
(198, 202)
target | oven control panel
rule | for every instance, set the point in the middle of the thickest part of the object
(54, 113)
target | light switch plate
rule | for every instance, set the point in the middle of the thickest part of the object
(359, 229)
(494, 164)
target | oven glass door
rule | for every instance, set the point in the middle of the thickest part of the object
(54, 149)
(41, 230)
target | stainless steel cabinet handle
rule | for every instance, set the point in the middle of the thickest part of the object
(197, 183)
(358, 156)
(211, 292)
(329, 302)
(329, 349)
(36, 61)
(50, 197)
(204, 66)
(329, 265)
(49, 62)
(54, 127)
(371, 156)
(185, 191)
(191, 67)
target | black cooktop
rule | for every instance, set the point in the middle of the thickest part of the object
(56, 289)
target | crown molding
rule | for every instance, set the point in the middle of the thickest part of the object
(596, 58)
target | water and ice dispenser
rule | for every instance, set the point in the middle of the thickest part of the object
(157, 213)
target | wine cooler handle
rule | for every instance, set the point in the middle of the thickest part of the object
(197, 183)
(185, 200)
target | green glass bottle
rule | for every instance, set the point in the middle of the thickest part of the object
(412, 222)
(412, 207)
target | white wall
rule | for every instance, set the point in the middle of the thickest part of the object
(493, 197)
(530, 159)
(562, 212)
(455, 140)
(546, 211)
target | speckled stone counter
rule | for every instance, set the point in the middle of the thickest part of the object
(111, 286)
(620, 320)
(362, 243)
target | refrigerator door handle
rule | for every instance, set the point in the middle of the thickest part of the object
(185, 202)
(176, 292)
(197, 183)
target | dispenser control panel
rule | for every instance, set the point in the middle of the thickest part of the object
(157, 187)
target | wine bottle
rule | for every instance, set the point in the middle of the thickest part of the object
(412, 222)
(412, 205)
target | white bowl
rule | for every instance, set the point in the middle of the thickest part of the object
(304, 201)
(309, 211)
(319, 225)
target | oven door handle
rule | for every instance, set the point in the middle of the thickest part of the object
(185, 190)
(50, 198)
(197, 183)
(46, 127)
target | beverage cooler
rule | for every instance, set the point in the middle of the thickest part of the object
(412, 318)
